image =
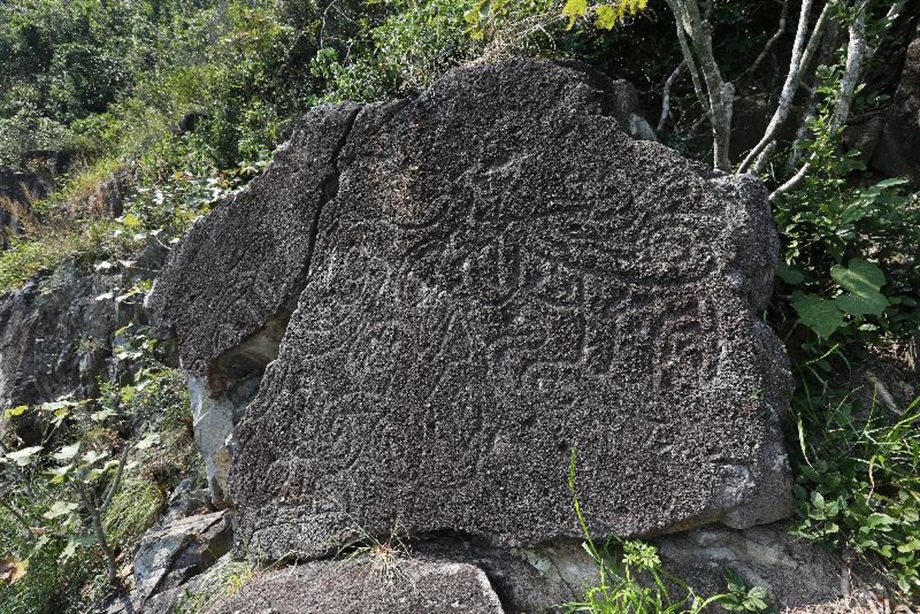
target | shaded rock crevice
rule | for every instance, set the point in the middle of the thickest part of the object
(226, 363)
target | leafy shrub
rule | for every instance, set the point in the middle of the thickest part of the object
(858, 479)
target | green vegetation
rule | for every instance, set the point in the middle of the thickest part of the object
(636, 582)
(225, 579)
(186, 101)
(76, 502)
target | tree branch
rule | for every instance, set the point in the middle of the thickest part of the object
(780, 30)
(856, 55)
(116, 483)
(666, 97)
(788, 92)
(88, 502)
(720, 95)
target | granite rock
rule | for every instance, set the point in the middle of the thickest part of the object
(370, 585)
(485, 277)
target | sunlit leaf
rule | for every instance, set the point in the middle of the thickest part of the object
(25, 456)
(818, 314)
(67, 452)
(574, 9)
(15, 411)
(60, 508)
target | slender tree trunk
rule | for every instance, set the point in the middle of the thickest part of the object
(857, 50)
(695, 36)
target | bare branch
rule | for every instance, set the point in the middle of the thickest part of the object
(666, 97)
(116, 483)
(793, 183)
(88, 502)
(719, 94)
(856, 56)
(780, 30)
(857, 50)
(817, 36)
(788, 92)
(689, 60)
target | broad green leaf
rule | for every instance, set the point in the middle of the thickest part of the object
(59, 474)
(25, 456)
(74, 542)
(818, 314)
(150, 439)
(67, 452)
(789, 275)
(93, 457)
(574, 9)
(863, 281)
(60, 508)
(861, 275)
(862, 304)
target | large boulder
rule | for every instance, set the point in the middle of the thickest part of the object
(485, 277)
(380, 583)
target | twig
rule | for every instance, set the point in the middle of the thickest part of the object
(116, 483)
(666, 97)
(88, 500)
(789, 88)
(720, 94)
(856, 55)
(780, 30)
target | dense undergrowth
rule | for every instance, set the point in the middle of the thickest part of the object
(186, 101)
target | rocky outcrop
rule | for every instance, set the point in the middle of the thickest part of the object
(170, 555)
(484, 278)
(54, 336)
(381, 583)
(895, 153)
(58, 331)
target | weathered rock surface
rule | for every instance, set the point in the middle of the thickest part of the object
(896, 151)
(795, 572)
(168, 556)
(233, 283)
(371, 585)
(57, 334)
(54, 340)
(487, 276)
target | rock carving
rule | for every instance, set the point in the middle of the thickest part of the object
(484, 277)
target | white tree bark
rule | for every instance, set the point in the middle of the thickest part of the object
(790, 86)
(695, 36)
(857, 51)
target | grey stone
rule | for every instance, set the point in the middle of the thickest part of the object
(795, 572)
(499, 272)
(895, 153)
(229, 288)
(186, 500)
(536, 579)
(168, 556)
(54, 340)
(213, 419)
(370, 585)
